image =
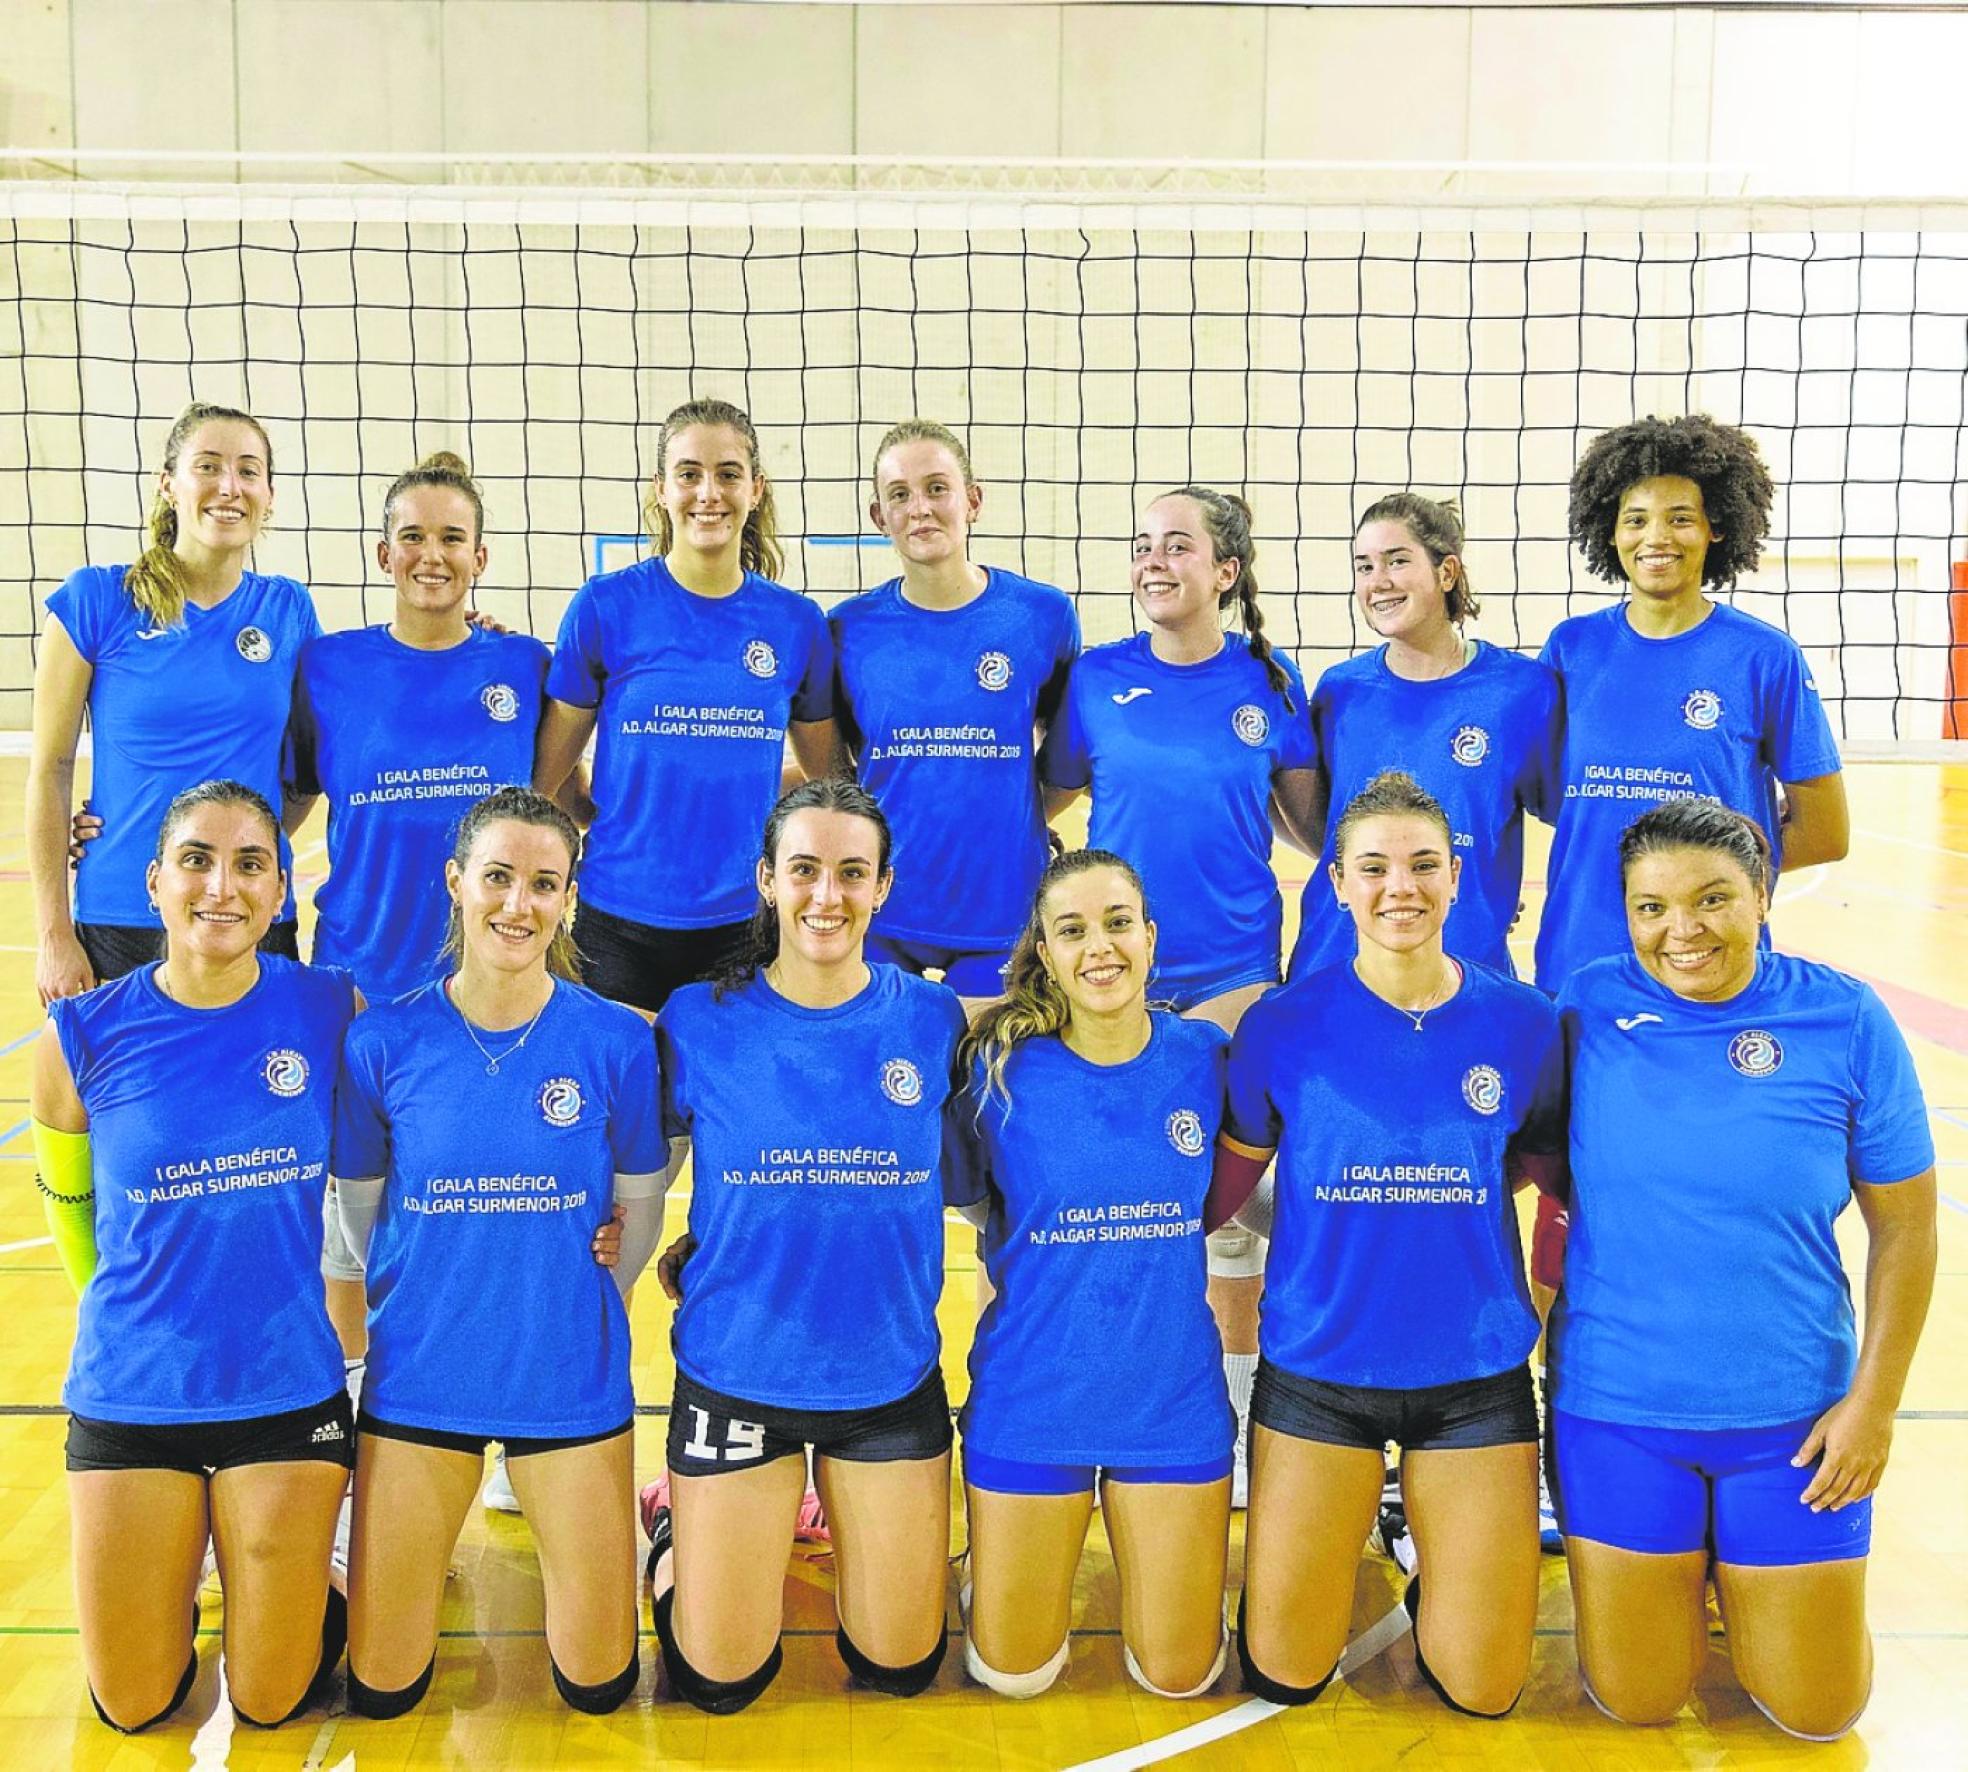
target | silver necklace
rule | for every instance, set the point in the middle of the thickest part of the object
(1418, 1016)
(494, 1059)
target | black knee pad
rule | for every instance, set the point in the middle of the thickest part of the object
(334, 1639)
(1262, 1684)
(720, 1697)
(177, 1698)
(897, 1682)
(598, 1701)
(370, 1701)
(1411, 1600)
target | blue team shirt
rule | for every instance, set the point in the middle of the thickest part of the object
(209, 1135)
(1478, 741)
(817, 1151)
(1713, 1146)
(203, 700)
(1180, 759)
(1099, 1346)
(487, 1313)
(939, 707)
(1394, 1257)
(1726, 710)
(402, 742)
(695, 695)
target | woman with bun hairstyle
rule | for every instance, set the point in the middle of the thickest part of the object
(945, 674)
(1472, 722)
(184, 662)
(403, 726)
(692, 670)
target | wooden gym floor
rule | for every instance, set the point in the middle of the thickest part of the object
(1896, 911)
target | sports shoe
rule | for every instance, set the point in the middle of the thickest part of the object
(810, 1525)
(654, 1500)
(1550, 1540)
(656, 1522)
(1390, 1535)
(498, 1492)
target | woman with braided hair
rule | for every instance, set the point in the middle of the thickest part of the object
(1193, 748)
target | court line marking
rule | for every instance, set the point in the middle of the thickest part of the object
(1363, 1649)
(30, 1243)
(26, 1039)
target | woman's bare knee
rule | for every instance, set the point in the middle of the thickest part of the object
(1640, 1696)
(1822, 1711)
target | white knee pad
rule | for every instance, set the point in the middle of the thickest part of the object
(1015, 1685)
(1235, 1253)
(1799, 1735)
(1209, 1679)
(1009, 1685)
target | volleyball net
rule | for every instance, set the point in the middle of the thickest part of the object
(1093, 345)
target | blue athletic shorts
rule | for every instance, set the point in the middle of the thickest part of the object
(970, 972)
(1729, 1491)
(1013, 1476)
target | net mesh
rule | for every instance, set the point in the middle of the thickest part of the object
(1089, 362)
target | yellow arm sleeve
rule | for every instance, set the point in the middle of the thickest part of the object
(68, 1199)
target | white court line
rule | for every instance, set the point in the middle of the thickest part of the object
(1906, 842)
(212, 1745)
(31, 1243)
(1369, 1643)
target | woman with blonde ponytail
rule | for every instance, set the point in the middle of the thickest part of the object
(691, 670)
(1090, 1121)
(185, 664)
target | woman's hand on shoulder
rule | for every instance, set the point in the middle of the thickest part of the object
(1851, 1440)
(669, 1266)
(61, 968)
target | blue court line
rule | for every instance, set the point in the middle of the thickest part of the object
(13, 1132)
(601, 541)
(846, 541)
(26, 1039)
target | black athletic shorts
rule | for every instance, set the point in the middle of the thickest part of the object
(117, 948)
(1498, 1411)
(637, 964)
(476, 1443)
(710, 1432)
(322, 1433)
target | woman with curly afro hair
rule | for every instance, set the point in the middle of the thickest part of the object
(1669, 692)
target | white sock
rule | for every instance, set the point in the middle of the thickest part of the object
(1241, 1371)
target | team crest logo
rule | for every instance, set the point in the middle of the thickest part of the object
(1185, 1131)
(253, 645)
(285, 1072)
(1756, 1053)
(1470, 746)
(901, 1082)
(993, 671)
(1252, 724)
(1482, 1088)
(760, 659)
(1702, 710)
(560, 1101)
(500, 701)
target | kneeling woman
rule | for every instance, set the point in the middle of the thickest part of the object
(484, 1125)
(1091, 1123)
(1728, 1104)
(814, 1090)
(181, 1125)
(1398, 1088)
